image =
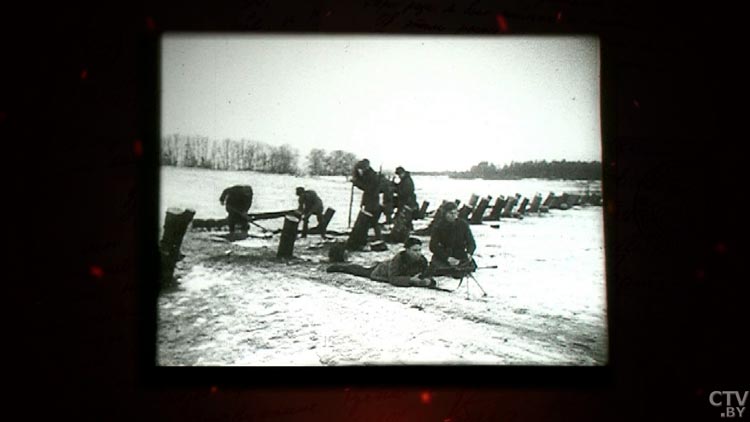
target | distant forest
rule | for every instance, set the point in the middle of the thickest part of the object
(334, 163)
(566, 170)
(227, 154)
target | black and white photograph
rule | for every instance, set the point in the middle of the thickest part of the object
(351, 200)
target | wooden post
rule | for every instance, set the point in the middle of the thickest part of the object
(535, 203)
(351, 201)
(473, 200)
(508, 207)
(547, 204)
(588, 199)
(476, 216)
(323, 225)
(564, 201)
(423, 210)
(175, 224)
(521, 210)
(358, 236)
(436, 220)
(464, 212)
(288, 236)
(515, 213)
(496, 209)
(555, 202)
(547, 201)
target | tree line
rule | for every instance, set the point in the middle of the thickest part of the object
(334, 163)
(249, 155)
(566, 170)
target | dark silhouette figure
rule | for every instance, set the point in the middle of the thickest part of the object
(237, 199)
(309, 204)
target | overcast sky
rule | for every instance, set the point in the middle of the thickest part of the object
(423, 102)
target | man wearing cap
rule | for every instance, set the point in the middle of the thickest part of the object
(365, 179)
(238, 200)
(405, 269)
(309, 204)
(405, 188)
(407, 204)
(452, 245)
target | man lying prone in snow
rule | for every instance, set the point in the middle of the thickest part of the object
(406, 268)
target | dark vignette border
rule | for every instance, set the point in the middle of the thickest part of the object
(477, 376)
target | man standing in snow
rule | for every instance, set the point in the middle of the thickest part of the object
(238, 200)
(407, 207)
(407, 199)
(365, 179)
(388, 189)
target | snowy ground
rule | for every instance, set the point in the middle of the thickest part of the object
(236, 304)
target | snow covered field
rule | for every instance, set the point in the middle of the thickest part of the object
(199, 189)
(237, 305)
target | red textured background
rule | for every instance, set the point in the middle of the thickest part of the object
(74, 119)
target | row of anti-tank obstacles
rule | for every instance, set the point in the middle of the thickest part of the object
(517, 206)
(474, 211)
(177, 221)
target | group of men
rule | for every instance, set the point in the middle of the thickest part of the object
(451, 243)
(239, 198)
(399, 197)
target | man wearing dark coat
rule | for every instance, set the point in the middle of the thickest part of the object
(407, 201)
(452, 245)
(388, 189)
(405, 189)
(238, 199)
(405, 269)
(365, 179)
(309, 204)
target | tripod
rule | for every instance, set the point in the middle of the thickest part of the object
(468, 277)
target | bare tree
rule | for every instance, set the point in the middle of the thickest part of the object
(316, 161)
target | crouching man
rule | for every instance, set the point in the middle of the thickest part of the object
(405, 269)
(452, 246)
(238, 199)
(309, 204)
